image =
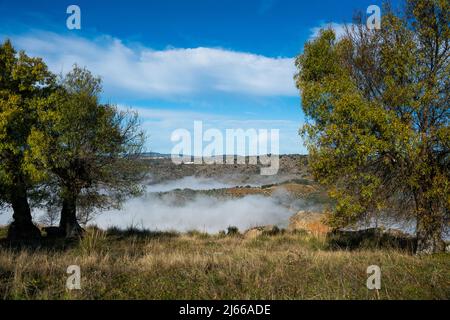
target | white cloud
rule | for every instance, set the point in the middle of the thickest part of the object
(339, 29)
(149, 73)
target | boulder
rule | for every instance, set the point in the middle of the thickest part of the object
(311, 222)
(261, 231)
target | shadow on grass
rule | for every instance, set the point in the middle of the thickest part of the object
(45, 244)
(51, 243)
(143, 234)
(373, 238)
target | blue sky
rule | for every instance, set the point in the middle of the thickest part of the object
(226, 62)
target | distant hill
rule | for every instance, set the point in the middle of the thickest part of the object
(291, 167)
(156, 155)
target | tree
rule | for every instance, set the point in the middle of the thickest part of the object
(91, 149)
(25, 83)
(377, 103)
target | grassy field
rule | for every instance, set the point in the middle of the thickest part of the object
(146, 265)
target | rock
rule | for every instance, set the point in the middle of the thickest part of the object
(261, 231)
(253, 233)
(311, 222)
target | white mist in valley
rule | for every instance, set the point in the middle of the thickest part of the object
(210, 214)
(206, 214)
(192, 183)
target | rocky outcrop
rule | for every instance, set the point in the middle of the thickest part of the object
(311, 222)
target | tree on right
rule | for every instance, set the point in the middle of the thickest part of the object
(377, 108)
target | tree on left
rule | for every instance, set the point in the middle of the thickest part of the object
(25, 84)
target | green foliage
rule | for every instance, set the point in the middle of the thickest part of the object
(232, 231)
(25, 84)
(59, 144)
(91, 149)
(377, 103)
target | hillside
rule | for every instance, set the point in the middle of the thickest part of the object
(291, 167)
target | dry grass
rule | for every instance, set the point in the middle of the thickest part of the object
(145, 265)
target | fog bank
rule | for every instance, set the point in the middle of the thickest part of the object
(207, 214)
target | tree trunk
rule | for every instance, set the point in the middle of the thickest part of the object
(22, 227)
(429, 234)
(69, 223)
